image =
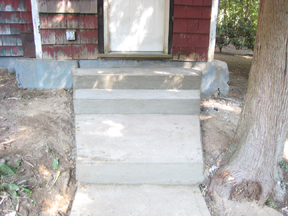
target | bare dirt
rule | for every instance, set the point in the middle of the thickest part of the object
(36, 127)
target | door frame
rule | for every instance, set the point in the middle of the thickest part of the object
(103, 27)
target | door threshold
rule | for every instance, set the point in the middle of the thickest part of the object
(133, 55)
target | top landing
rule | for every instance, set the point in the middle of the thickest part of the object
(137, 78)
(133, 71)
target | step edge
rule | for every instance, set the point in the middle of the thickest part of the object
(143, 74)
(137, 94)
(129, 71)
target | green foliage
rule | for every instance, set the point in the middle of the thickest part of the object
(6, 170)
(283, 164)
(11, 189)
(55, 163)
(10, 185)
(270, 203)
(237, 23)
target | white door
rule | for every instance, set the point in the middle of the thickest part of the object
(137, 25)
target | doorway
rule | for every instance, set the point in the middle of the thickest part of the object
(135, 26)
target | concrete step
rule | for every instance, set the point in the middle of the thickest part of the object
(98, 101)
(138, 200)
(136, 78)
(138, 149)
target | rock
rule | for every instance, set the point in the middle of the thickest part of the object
(279, 193)
(285, 211)
(2, 161)
(14, 213)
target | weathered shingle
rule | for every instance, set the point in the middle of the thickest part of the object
(9, 40)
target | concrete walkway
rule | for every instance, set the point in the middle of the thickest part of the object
(138, 200)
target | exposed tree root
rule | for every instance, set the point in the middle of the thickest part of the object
(239, 186)
(246, 191)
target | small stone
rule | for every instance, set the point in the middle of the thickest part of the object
(14, 213)
(285, 211)
(2, 161)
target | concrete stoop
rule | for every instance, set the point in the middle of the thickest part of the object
(139, 129)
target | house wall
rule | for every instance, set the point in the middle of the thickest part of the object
(15, 17)
(56, 16)
(191, 30)
(190, 41)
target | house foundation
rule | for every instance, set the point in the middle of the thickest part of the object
(50, 74)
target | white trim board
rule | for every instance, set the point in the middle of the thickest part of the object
(36, 24)
(213, 26)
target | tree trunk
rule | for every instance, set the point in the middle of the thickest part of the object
(263, 126)
(225, 14)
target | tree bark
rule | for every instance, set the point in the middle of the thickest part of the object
(263, 126)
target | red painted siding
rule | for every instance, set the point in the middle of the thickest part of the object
(53, 36)
(15, 17)
(56, 17)
(191, 30)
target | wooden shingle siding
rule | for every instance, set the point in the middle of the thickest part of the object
(71, 6)
(56, 16)
(15, 17)
(191, 29)
(15, 5)
(53, 34)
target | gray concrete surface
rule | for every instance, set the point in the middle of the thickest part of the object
(98, 101)
(215, 75)
(136, 149)
(186, 173)
(9, 63)
(134, 63)
(44, 74)
(138, 164)
(138, 200)
(136, 78)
